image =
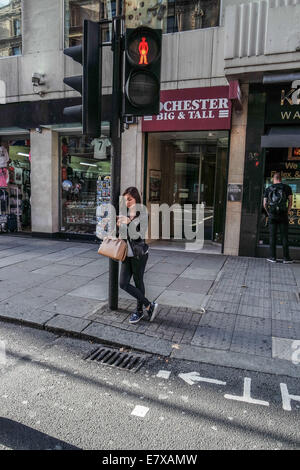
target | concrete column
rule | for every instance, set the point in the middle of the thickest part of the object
(45, 181)
(236, 174)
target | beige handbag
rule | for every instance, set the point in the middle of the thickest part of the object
(114, 248)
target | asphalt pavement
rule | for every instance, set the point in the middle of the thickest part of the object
(55, 397)
(252, 317)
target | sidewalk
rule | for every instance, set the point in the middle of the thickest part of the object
(252, 318)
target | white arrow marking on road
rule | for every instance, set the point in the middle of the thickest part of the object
(192, 377)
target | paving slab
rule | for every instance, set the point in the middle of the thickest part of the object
(215, 331)
(262, 302)
(9, 288)
(67, 323)
(284, 295)
(55, 269)
(250, 343)
(181, 299)
(74, 261)
(73, 306)
(253, 311)
(92, 290)
(200, 273)
(31, 299)
(167, 268)
(25, 278)
(286, 329)
(66, 283)
(252, 336)
(33, 264)
(222, 306)
(188, 285)
(232, 298)
(12, 260)
(96, 268)
(91, 253)
(37, 318)
(159, 279)
(282, 309)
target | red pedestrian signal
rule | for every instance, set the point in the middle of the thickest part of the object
(142, 71)
(143, 50)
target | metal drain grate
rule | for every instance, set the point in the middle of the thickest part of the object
(112, 357)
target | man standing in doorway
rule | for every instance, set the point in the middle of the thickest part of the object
(278, 203)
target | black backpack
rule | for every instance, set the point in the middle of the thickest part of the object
(277, 199)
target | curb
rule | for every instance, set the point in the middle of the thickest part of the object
(114, 336)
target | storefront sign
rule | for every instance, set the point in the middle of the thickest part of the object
(190, 110)
(283, 104)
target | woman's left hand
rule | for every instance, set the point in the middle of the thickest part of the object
(122, 219)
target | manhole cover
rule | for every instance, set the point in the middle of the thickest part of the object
(112, 357)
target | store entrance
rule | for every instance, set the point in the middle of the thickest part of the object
(192, 169)
(287, 162)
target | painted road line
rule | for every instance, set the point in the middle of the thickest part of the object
(140, 411)
(164, 374)
(246, 397)
(286, 397)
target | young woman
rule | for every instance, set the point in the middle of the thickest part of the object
(137, 257)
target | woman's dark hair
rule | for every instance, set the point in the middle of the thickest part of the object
(133, 192)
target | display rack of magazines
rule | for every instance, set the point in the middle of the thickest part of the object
(103, 201)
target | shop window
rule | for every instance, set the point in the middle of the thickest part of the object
(76, 11)
(10, 28)
(287, 162)
(85, 182)
(15, 187)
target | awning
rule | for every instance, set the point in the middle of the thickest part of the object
(281, 137)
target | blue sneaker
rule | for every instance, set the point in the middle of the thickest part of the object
(136, 317)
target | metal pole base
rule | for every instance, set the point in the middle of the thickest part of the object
(113, 285)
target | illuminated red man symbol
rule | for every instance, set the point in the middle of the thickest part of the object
(143, 50)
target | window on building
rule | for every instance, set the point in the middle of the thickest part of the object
(10, 28)
(76, 11)
(171, 15)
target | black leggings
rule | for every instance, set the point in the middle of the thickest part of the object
(134, 267)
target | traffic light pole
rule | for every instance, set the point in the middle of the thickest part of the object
(116, 137)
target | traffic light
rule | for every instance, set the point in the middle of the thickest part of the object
(142, 71)
(89, 84)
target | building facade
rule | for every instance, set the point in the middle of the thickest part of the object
(211, 144)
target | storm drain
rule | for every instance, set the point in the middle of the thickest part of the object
(122, 360)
